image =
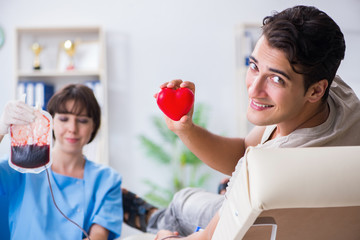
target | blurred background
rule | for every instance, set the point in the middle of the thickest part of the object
(147, 43)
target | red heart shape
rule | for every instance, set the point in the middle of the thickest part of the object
(175, 103)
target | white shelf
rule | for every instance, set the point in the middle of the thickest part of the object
(56, 73)
(90, 65)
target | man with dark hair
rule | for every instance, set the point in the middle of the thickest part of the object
(313, 43)
(295, 100)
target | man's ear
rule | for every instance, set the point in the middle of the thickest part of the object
(317, 90)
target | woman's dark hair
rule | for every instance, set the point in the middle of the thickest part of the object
(312, 41)
(83, 98)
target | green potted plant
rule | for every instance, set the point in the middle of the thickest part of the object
(172, 153)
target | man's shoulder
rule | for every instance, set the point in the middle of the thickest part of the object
(340, 91)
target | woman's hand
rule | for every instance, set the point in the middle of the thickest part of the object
(15, 112)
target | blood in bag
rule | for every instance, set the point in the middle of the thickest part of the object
(30, 156)
(31, 144)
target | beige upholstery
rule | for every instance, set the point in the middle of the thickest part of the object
(294, 193)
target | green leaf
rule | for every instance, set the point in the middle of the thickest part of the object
(200, 115)
(164, 131)
(156, 187)
(158, 196)
(155, 151)
(190, 158)
(178, 184)
(157, 200)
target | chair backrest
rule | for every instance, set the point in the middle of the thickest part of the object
(306, 193)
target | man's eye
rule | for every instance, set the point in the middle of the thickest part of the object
(278, 80)
(252, 65)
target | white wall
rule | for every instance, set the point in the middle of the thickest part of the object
(150, 42)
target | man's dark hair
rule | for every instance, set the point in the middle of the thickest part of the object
(312, 41)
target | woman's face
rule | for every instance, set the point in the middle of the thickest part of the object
(72, 132)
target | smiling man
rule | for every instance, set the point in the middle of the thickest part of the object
(295, 100)
(277, 94)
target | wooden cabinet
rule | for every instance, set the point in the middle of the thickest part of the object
(53, 69)
(246, 36)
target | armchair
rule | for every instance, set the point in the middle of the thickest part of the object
(294, 193)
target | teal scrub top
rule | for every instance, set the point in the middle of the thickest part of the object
(96, 198)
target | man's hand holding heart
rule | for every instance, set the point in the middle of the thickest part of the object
(176, 100)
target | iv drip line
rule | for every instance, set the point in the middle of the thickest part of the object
(52, 195)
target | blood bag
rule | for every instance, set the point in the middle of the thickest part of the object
(31, 144)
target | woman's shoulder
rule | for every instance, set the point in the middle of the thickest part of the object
(5, 167)
(102, 171)
(3, 162)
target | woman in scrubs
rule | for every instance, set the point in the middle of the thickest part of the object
(88, 194)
